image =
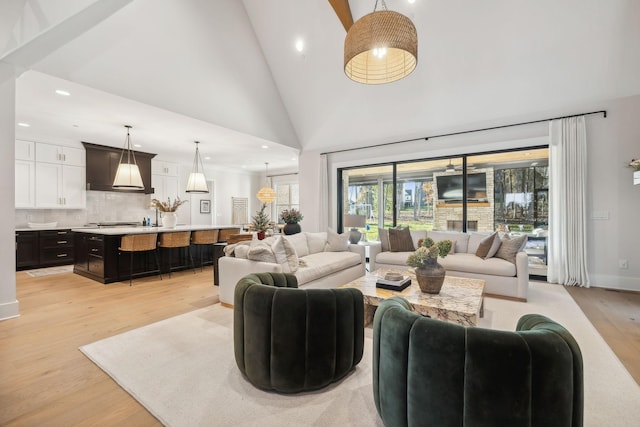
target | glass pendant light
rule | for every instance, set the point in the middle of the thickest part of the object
(197, 182)
(128, 175)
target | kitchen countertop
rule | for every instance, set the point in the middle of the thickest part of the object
(118, 231)
(59, 227)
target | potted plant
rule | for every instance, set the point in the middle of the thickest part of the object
(291, 218)
(168, 209)
(260, 222)
(429, 273)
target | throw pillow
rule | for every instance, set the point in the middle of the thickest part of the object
(241, 251)
(336, 242)
(260, 251)
(383, 236)
(316, 242)
(400, 240)
(299, 241)
(285, 254)
(495, 245)
(509, 247)
(485, 245)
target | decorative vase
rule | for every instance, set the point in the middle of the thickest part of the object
(290, 229)
(260, 235)
(430, 278)
(169, 219)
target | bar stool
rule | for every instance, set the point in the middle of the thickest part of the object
(204, 237)
(226, 232)
(241, 237)
(138, 243)
(178, 239)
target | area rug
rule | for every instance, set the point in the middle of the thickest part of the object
(49, 271)
(183, 371)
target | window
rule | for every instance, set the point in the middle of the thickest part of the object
(287, 197)
(479, 192)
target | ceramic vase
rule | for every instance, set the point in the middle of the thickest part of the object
(290, 229)
(430, 277)
(260, 235)
(169, 219)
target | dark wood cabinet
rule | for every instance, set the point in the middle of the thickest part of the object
(27, 250)
(56, 247)
(102, 164)
(45, 248)
(90, 256)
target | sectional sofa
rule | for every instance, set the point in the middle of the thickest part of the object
(502, 277)
(318, 260)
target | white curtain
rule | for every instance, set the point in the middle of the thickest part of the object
(567, 245)
(323, 220)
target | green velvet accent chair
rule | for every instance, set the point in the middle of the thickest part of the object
(427, 372)
(291, 340)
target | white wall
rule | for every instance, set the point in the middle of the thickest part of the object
(8, 302)
(612, 142)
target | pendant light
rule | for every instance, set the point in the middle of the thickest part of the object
(266, 193)
(128, 175)
(380, 47)
(197, 182)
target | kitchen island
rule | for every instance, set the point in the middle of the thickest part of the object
(97, 255)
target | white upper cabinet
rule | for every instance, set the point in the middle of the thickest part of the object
(25, 184)
(50, 153)
(164, 168)
(60, 186)
(25, 150)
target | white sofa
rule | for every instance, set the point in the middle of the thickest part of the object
(502, 278)
(321, 264)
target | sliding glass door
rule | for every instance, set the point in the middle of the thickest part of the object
(482, 192)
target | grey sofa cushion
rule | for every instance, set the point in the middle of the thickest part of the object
(383, 235)
(485, 245)
(510, 246)
(400, 240)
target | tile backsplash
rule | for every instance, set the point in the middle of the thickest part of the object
(102, 206)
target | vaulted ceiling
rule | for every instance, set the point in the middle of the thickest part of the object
(227, 72)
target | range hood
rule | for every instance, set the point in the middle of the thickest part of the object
(102, 163)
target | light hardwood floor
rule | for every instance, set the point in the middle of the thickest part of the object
(46, 380)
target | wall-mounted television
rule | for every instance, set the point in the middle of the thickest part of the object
(450, 187)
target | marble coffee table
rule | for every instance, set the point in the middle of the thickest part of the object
(460, 300)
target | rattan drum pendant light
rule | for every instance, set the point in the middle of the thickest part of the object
(266, 194)
(380, 47)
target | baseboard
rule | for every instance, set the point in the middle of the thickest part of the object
(224, 304)
(614, 282)
(9, 310)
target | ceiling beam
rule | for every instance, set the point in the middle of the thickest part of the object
(342, 9)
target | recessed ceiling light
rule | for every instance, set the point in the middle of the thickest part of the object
(412, 1)
(24, 125)
(299, 45)
(62, 92)
(244, 166)
(207, 158)
(137, 145)
(265, 146)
